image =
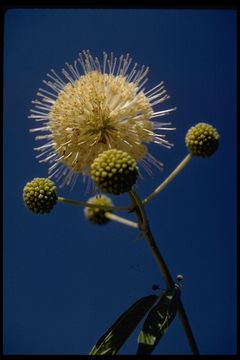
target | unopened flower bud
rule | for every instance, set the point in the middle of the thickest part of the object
(39, 195)
(97, 215)
(114, 171)
(202, 140)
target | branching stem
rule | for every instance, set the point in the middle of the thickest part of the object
(168, 179)
(146, 231)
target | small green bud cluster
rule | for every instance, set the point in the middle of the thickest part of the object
(97, 215)
(39, 195)
(202, 140)
(114, 171)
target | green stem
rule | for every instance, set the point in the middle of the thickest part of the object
(187, 328)
(138, 207)
(121, 220)
(82, 203)
(145, 228)
(168, 179)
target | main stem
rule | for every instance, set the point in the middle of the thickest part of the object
(145, 228)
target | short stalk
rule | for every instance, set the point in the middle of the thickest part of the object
(82, 203)
(168, 179)
(121, 220)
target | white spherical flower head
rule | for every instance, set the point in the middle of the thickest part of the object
(105, 107)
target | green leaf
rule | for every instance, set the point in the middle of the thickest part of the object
(117, 334)
(158, 321)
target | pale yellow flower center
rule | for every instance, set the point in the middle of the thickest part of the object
(97, 112)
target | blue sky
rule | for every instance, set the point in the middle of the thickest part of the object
(65, 280)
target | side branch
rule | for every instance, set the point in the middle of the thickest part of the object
(168, 179)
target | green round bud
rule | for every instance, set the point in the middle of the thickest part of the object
(97, 215)
(202, 140)
(39, 195)
(114, 171)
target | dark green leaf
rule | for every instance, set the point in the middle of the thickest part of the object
(117, 334)
(158, 320)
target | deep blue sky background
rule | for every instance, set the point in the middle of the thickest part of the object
(65, 280)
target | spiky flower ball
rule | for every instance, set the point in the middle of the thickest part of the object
(39, 195)
(202, 140)
(83, 113)
(97, 215)
(114, 171)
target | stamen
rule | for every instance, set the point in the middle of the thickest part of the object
(43, 153)
(43, 128)
(49, 157)
(80, 59)
(58, 77)
(154, 88)
(119, 65)
(54, 87)
(66, 74)
(133, 71)
(56, 81)
(40, 148)
(104, 62)
(159, 100)
(47, 92)
(71, 68)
